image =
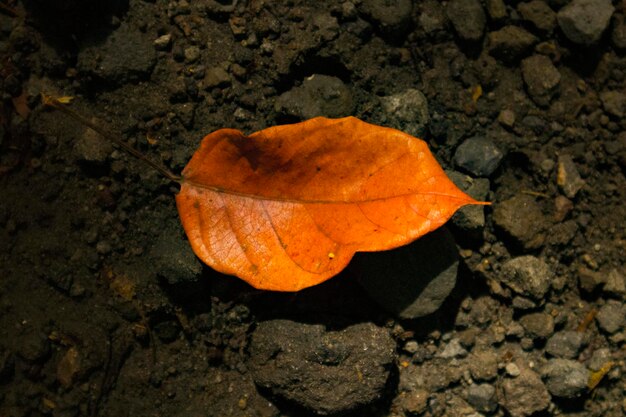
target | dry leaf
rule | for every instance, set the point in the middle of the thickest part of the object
(287, 207)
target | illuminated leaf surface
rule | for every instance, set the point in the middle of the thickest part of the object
(287, 207)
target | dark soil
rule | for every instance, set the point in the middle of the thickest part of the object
(105, 311)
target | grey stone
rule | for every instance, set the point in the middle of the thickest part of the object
(599, 359)
(614, 103)
(173, 260)
(392, 17)
(407, 111)
(478, 155)
(413, 280)
(566, 344)
(611, 316)
(510, 44)
(323, 371)
(127, 55)
(615, 283)
(525, 394)
(319, 95)
(528, 276)
(538, 325)
(470, 219)
(453, 350)
(565, 378)
(539, 14)
(482, 397)
(567, 178)
(541, 78)
(584, 21)
(521, 218)
(468, 19)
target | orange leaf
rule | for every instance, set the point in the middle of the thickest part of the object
(287, 207)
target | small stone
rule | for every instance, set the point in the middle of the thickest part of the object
(468, 19)
(103, 247)
(589, 280)
(506, 118)
(615, 283)
(496, 10)
(173, 260)
(478, 155)
(568, 179)
(392, 17)
(432, 17)
(510, 44)
(611, 316)
(524, 395)
(565, 344)
(599, 358)
(562, 207)
(167, 331)
(482, 397)
(521, 218)
(68, 367)
(614, 103)
(319, 95)
(483, 365)
(414, 402)
(565, 378)
(584, 21)
(618, 34)
(411, 346)
(539, 14)
(163, 42)
(407, 111)
(191, 54)
(538, 325)
(216, 77)
(470, 219)
(453, 350)
(541, 78)
(528, 276)
(512, 369)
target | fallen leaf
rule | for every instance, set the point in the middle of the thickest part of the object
(287, 207)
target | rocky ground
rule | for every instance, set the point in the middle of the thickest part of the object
(516, 310)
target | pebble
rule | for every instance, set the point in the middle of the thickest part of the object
(414, 402)
(191, 54)
(407, 111)
(614, 103)
(565, 344)
(528, 276)
(163, 42)
(506, 118)
(525, 394)
(319, 95)
(393, 17)
(538, 325)
(478, 155)
(496, 10)
(599, 358)
(483, 365)
(432, 17)
(317, 369)
(510, 44)
(215, 77)
(615, 283)
(611, 316)
(468, 19)
(539, 15)
(618, 34)
(565, 378)
(541, 78)
(482, 397)
(408, 291)
(512, 369)
(521, 218)
(453, 349)
(92, 148)
(567, 178)
(584, 21)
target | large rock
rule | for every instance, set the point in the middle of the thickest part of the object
(324, 371)
(413, 280)
(584, 21)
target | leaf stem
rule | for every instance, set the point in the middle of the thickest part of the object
(53, 102)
